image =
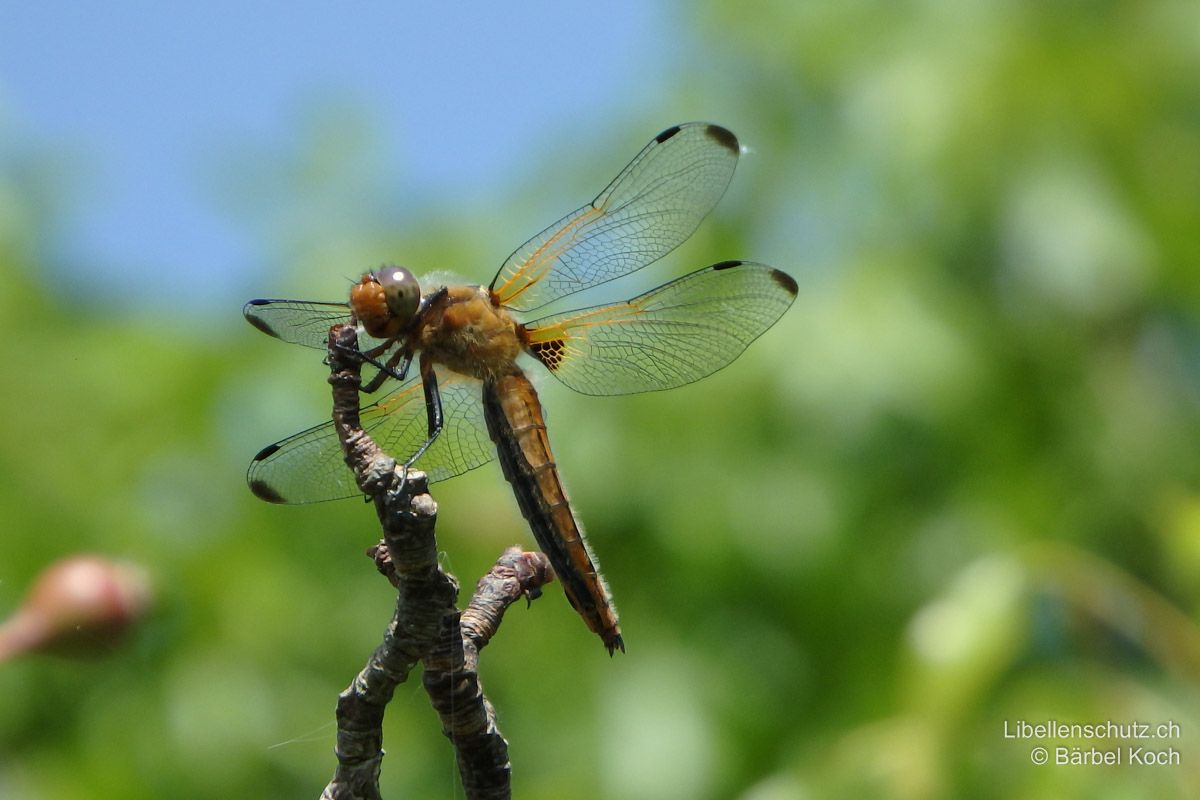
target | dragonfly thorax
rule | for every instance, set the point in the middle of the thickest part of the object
(461, 329)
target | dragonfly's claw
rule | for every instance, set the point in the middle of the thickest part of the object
(346, 349)
(385, 370)
(403, 479)
(354, 353)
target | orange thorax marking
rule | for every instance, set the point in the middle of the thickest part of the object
(468, 334)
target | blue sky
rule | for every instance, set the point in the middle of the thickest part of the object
(140, 102)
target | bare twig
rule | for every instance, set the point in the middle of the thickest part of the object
(427, 625)
(452, 678)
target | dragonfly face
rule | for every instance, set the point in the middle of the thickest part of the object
(385, 301)
(471, 402)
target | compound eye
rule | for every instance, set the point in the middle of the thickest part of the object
(401, 291)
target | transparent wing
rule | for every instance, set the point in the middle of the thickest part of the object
(308, 467)
(646, 212)
(302, 322)
(678, 333)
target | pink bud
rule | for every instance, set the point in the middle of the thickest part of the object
(80, 606)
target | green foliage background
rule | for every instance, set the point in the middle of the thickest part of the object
(956, 486)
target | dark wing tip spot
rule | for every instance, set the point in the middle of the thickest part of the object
(667, 134)
(266, 452)
(261, 324)
(264, 491)
(786, 281)
(724, 137)
(248, 311)
(727, 265)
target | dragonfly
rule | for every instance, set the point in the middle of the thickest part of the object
(471, 399)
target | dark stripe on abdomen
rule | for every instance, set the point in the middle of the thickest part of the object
(514, 420)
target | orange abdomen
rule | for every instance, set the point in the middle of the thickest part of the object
(514, 419)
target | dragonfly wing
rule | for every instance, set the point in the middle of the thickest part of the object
(678, 333)
(648, 210)
(302, 322)
(308, 467)
(296, 321)
(462, 445)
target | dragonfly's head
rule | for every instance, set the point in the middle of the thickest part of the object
(385, 301)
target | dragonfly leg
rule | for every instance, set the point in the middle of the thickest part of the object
(433, 412)
(401, 358)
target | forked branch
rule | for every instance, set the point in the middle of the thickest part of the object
(427, 626)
